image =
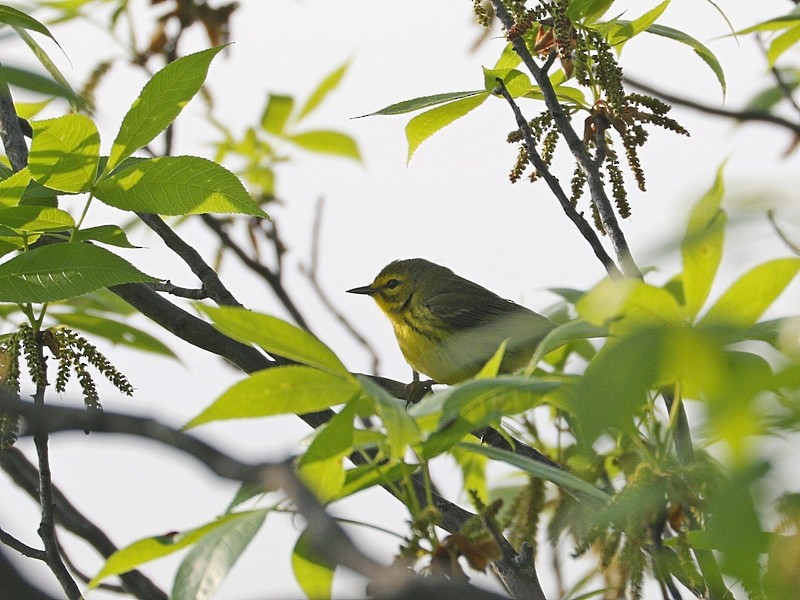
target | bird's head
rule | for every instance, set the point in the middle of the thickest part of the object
(396, 285)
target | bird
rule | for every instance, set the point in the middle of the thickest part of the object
(448, 327)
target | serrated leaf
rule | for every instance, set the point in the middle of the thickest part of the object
(65, 153)
(701, 50)
(276, 113)
(37, 83)
(276, 336)
(114, 331)
(517, 83)
(113, 235)
(177, 185)
(13, 187)
(162, 99)
(208, 563)
(537, 469)
(277, 391)
(701, 247)
(421, 127)
(35, 219)
(327, 142)
(423, 102)
(326, 86)
(746, 300)
(509, 59)
(314, 576)
(147, 549)
(60, 271)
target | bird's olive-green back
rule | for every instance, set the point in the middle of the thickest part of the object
(448, 326)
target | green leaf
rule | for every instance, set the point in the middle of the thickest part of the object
(537, 469)
(65, 153)
(421, 127)
(402, 431)
(509, 59)
(277, 113)
(114, 331)
(625, 30)
(276, 337)
(128, 558)
(782, 43)
(746, 300)
(60, 271)
(277, 391)
(207, 564)
(162, 99)
(784, 22)
(628, 304)
(574, 330)
(424, 102)
(702, 51)
(470, 406)
(366, 476)
(330, 83)
(37, 83)
(591, 10)
(701, 247)
(517, 83)
(13, 187)
(177, 185)
(321, 467)
(48, 64)
(314, 576)
(35, 219)
(327, 142)
(17, 18)
(613, 389)
(113, 235)
(473, 472)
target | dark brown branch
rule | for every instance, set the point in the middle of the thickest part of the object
(272, 278)
(576, 146)
(15, 544)
(573, 215)
(26, 476)
(740, 116)
(173, 290)
(11, 131)
(212, 285)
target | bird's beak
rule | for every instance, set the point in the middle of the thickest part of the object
(366, 289)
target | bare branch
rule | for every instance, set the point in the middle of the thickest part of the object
(736, 115)
(212, 285)
(577, 218)
(12, 542)
(168, 288)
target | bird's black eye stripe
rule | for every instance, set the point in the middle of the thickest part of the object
(392, 283)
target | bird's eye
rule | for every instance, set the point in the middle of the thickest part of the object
(392, 283)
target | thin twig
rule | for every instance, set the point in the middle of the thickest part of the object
(312, 273)
(574, 216)
(26, 476)
(793, 246)
(47, 526)
(737, 115)
(576, 146)
(272, 278)
(21, 547)
(212, 284)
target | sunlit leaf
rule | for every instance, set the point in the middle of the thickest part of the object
(421, 127)
(330, 83)
(60, 271)
(162, 99)
(314, 576)
(625, 30)
(65, 153)
(701, 50)
(177, 185)
(276, 113)
(321, 466)
(276, 336)
(213, 556)
(424, 102)
(327, 142)
(401, 429)
(116, 332)
(113, 235)
(277, 391)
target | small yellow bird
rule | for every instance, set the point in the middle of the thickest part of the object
(449, 327)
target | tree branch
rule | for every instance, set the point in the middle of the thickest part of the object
(574, 216)
(576, 146)
(736, 115)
